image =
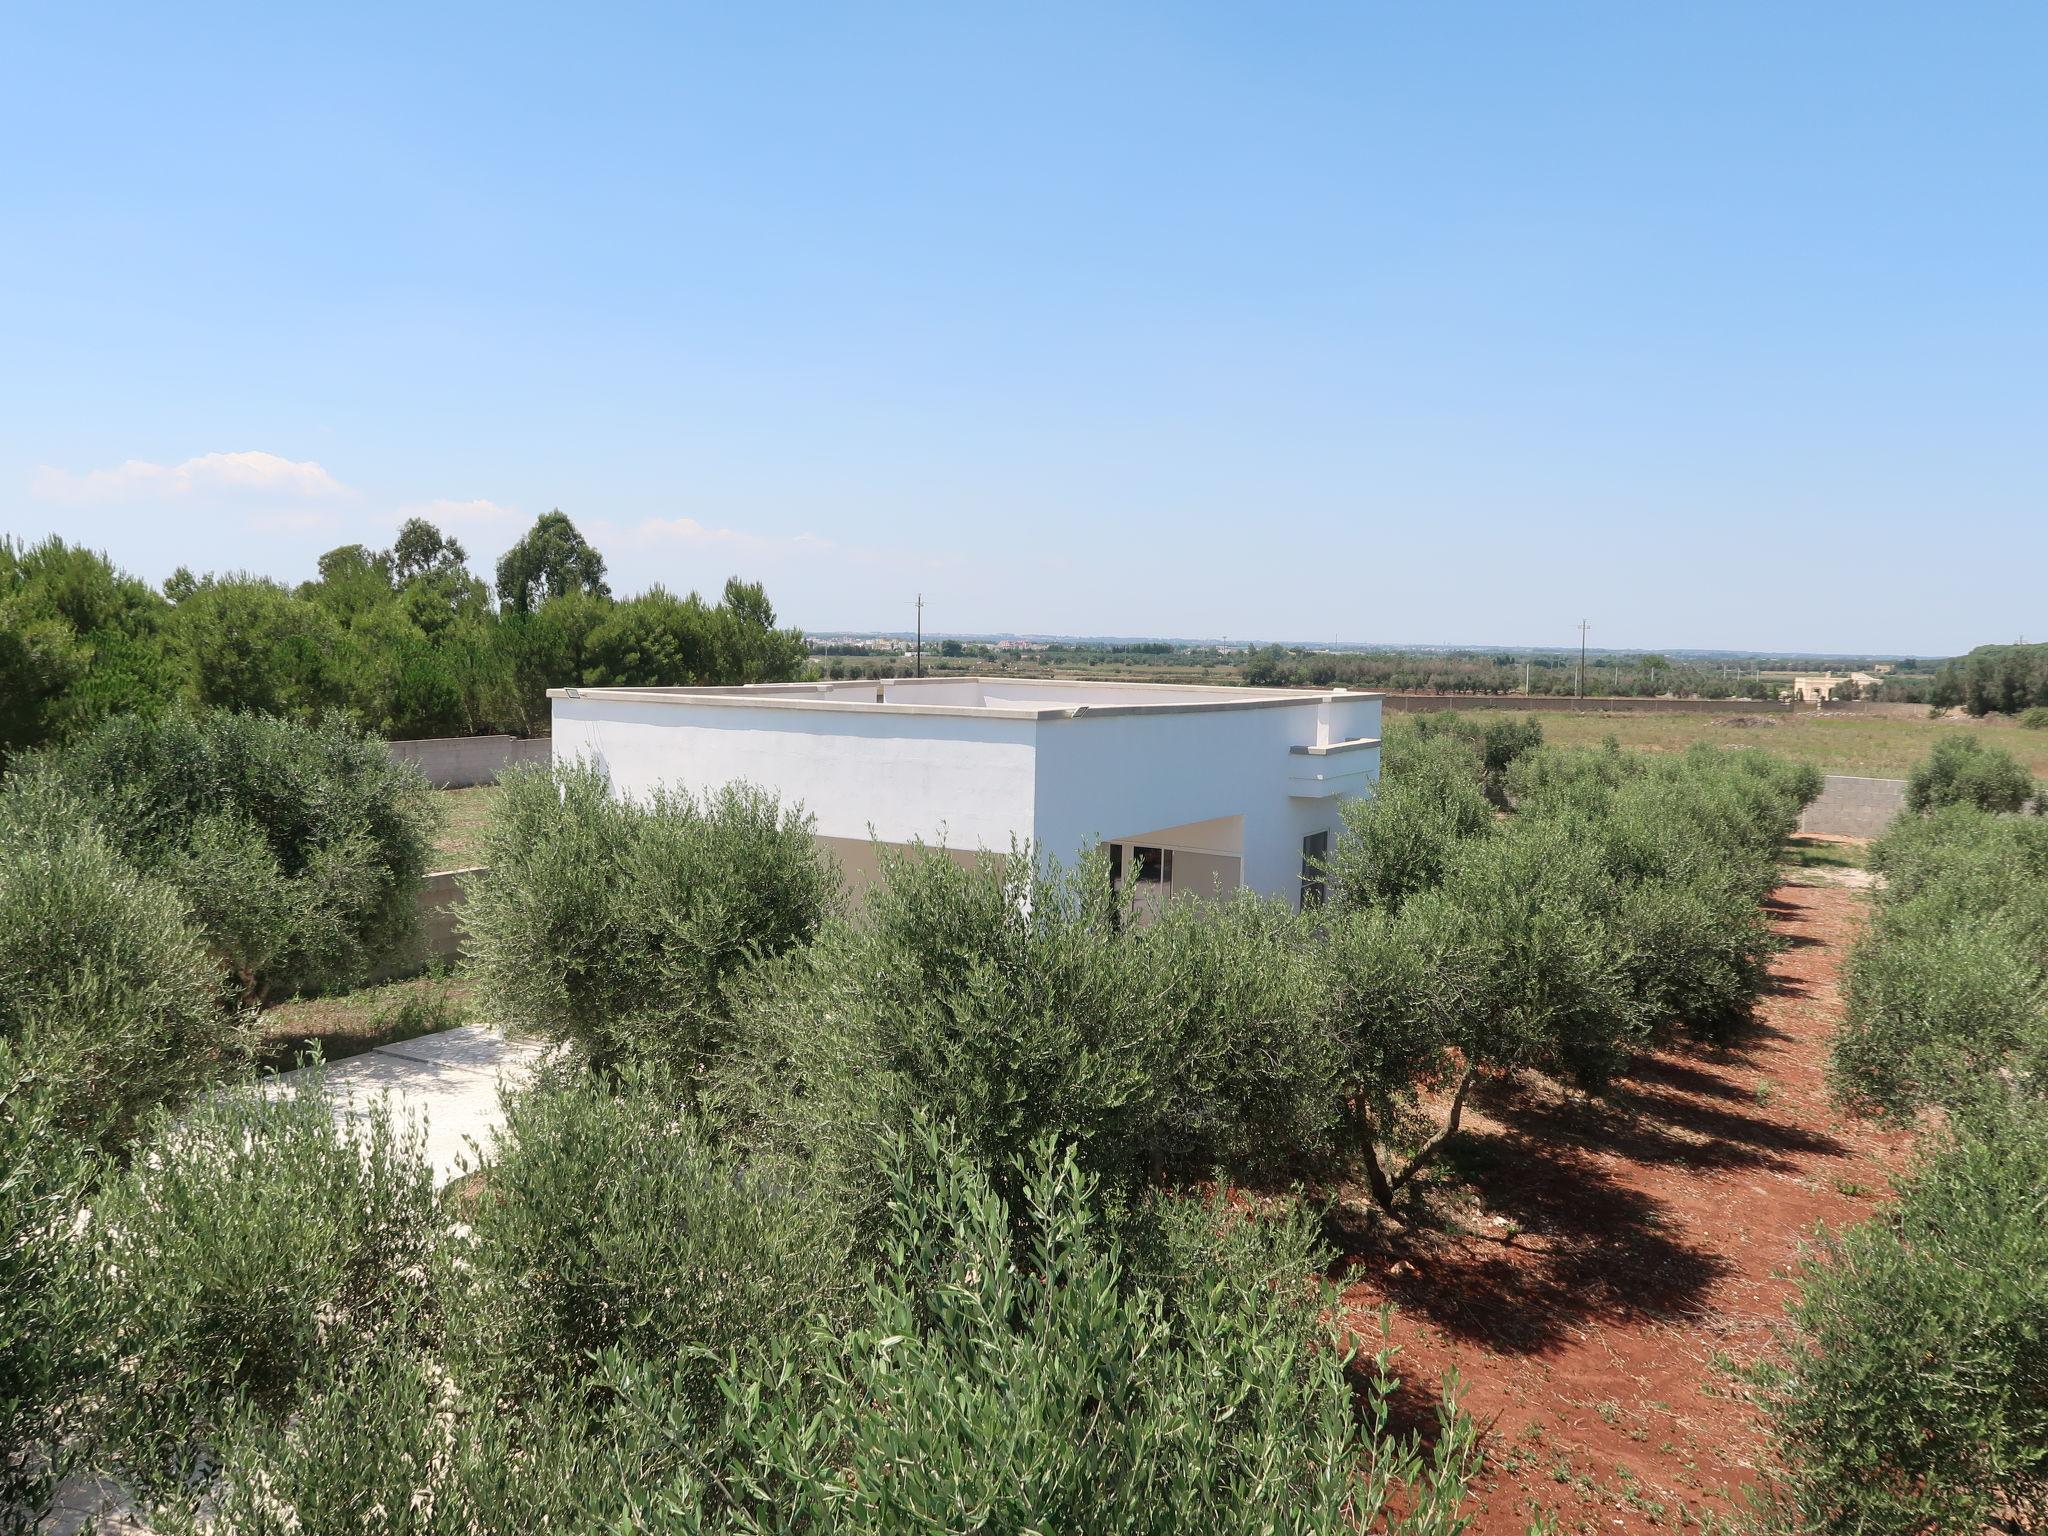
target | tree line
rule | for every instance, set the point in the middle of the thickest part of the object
(1994, 679)
(1552, 673)
(407, 641)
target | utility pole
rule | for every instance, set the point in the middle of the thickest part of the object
(1582, 659)
(920, 634)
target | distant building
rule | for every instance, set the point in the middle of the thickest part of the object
(1198, 789)
(1820, 687)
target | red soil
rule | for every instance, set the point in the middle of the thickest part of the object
(1635, 1249)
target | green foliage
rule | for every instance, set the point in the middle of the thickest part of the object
(1688, 850)
(1961, 770)
(1623, 894)
(109, 1001)
(78, 641)
(612, 1221)
(1045, 1393)
(1538, 976)
(1948, 990)
(1016, 1002)
(249, 644)
(1496, 740)
(551, 560)
(299, 848)
(1402, 838)
(1914, 1397)
(2035, 717)
(405, 640)
(1005, 1369)
(2003, 679)
(45, 1172)
(620, 926)
(251, 1245)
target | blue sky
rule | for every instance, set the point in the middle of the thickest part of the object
(1716, 325)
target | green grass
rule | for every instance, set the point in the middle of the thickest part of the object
(349, 1023)
(465, 813)
(1819, 853)
(1874, 748)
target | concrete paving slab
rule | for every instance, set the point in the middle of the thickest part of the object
(448, 1082)
(473, 1045)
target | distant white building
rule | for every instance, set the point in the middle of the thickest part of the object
(1815, 688)
(1193, 788)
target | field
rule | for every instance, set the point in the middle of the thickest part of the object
(1872, 748)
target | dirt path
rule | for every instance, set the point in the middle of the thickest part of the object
(1647, 1242)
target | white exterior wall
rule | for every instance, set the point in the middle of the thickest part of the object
(1124, 775)
(898, 777)
(1062, 780)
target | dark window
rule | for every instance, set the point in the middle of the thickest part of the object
(1315, 854)
(1152, 866)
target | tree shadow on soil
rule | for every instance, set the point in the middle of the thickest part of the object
(1578, 1249)
(1653, 1127)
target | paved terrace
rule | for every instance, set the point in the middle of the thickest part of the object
(448, 1080)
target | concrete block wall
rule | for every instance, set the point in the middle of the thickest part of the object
(1854, 807)
(458, 762)
(440, 911)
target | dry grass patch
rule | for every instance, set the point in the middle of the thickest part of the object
(464, 815)
(349, 1023)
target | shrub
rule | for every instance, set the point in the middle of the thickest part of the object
(1016, 1003)
(1497, 741)
(1623, 894)
(1961, 770)
(108, 999)
(382, 1444)
(252, 1244)
(1051, 1395)
(1934, 1011)
(1056, 1391)
(613, 1222)
(1509, 964)
(1948, 990)
(2035, 717)
(1914, 1397)
(620, 927)
(299, 848)
(45, 1171)
(1402, 838)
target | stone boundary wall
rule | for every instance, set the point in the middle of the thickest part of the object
(458, 762)
(1545, 703)
(1854, 807)
(1872, 709)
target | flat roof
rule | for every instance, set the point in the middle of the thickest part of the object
(1006, 698)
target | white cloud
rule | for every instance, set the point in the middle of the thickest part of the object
(211, 475)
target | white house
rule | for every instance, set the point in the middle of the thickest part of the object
(1194, 788)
